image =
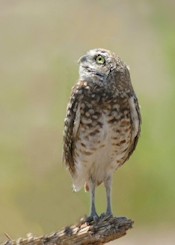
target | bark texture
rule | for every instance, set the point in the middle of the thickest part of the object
(104, 230)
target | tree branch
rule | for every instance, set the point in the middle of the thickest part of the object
(95, 233)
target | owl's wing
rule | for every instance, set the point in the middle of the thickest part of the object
(71, 125)
(136, 122)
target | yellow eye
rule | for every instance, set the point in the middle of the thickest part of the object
(100, 60)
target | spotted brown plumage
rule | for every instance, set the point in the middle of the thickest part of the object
(102, 125)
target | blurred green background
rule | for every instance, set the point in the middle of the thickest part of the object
(40, 43)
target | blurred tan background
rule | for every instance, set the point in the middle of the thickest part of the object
(40, 43)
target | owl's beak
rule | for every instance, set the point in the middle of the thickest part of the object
(82, 59)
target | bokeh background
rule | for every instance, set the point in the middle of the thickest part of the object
(40, 43)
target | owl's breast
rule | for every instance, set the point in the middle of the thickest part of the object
(103, 140)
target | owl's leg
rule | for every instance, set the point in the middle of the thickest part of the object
(93, 214)
(108, 186)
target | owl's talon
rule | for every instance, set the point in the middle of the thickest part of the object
(109, 214)
(92, 218)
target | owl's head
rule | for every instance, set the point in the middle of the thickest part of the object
(98, 64)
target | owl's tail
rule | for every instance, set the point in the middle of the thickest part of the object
(78, 184)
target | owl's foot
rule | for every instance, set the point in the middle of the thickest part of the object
(105, 216)
(108, 213)
(92, 218)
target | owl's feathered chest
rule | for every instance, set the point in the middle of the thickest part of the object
(103, 136)
(101, 131)
(102, 107)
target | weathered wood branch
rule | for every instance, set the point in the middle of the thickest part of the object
(100, 232)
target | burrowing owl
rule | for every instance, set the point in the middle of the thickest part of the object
(102, 125)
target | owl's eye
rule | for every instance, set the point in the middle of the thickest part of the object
(100, 60)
